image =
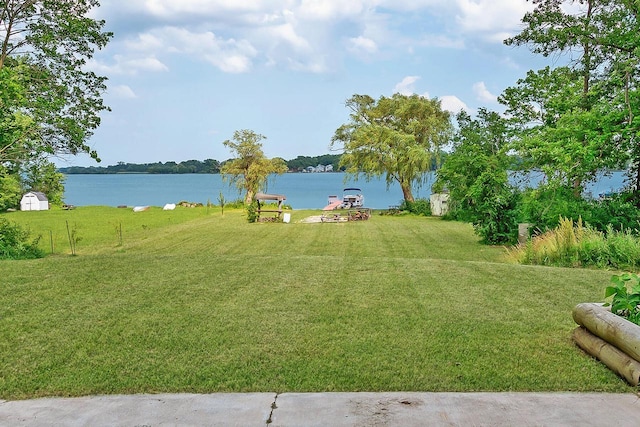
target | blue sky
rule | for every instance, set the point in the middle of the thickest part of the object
(184, 75)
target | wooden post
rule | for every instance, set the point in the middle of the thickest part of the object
(523, 233)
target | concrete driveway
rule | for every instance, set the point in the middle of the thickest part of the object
(329, 409)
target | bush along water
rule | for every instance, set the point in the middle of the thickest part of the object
(417, 207)
(543, 207)
(15, 242)
(615, 212)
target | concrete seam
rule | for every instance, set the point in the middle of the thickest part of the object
(273, 406)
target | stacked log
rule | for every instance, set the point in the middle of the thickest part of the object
(610, 338)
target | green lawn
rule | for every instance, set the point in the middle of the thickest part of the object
(192, 301)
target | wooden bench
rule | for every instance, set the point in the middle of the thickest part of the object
(261, 197)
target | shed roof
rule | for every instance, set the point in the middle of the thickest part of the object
(41, 196)
(263, 196)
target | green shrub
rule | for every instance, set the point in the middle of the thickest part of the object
(495, 207)
(617, 212)
(417, 207)
(544, 206)
(235, 204)
(594, 250)
(15, 243)
(252, 211)
(625, 303)
(624, 249)
(10, 191)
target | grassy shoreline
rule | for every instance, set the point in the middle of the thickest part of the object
(193, 301)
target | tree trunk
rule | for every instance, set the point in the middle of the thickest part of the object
(577, 187)
(586, 84)
(610, 327)
(249, 197)
(615, 359)
(406, 192)
(636, 185)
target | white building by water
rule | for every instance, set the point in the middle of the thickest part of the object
(34, 201)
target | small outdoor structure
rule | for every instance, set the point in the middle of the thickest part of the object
(261, 198)
(333, 203)
(439, 203)
(523, 232)
(34, 201)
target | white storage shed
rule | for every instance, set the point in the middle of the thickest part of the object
(439, 204)
(34, 201)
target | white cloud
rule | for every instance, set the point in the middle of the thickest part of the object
(149, 63)
(315, 65)
(310, 35)
(362, 44)
(172, 8)
(128, 65)
(442, 41)
(123, 91)
(145, 42)
(231, 56)
(510, 63)
(407, 85)
(285, 45)
(413, 5)
(483, 94)
(453, 104)
(326, 10)
(287, 33)
(498, 19)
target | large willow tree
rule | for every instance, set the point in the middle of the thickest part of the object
(250, 168)
(398, 138)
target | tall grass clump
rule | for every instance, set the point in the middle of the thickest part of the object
(574, 244)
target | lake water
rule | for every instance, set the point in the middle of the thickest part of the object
(303, 191)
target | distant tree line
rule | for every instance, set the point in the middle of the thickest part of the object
(188, 166)
(209, 166)
(302, 162)
(195, 166)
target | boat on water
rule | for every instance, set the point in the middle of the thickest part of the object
(352, 198)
